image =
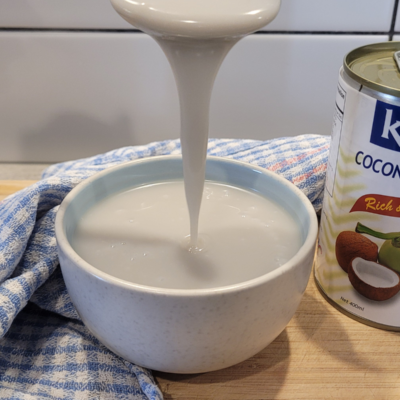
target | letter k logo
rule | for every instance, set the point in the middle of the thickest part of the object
(385, 130)
(391, 128)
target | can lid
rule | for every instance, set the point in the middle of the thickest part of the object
(374, 66)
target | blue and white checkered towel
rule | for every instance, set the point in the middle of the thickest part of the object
(45, 351)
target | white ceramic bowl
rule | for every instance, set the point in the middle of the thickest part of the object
(185, 331)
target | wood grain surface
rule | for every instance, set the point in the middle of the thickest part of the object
(8, 187)
(321, 355)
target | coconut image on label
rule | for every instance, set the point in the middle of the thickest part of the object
(389, 253)
(372, 280)
(350, 245)
(357, 255)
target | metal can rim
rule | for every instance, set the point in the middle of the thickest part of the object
(363, 51)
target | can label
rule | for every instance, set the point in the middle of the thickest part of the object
(358, 257)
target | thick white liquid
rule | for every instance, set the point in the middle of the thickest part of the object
(146, 239)
(196, 35)
(141, 236)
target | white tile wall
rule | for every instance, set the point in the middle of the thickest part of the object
(92, 14)
(338, 15)
(397, 23)
(71, 94)
(294, 15)
(280, 85)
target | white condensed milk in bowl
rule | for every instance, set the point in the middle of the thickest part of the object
(358, 262)
(157, 281)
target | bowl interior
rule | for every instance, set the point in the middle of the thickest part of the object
(167, 168)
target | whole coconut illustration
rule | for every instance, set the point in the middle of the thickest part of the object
(389, 253)
(372, 271)
(350, 244)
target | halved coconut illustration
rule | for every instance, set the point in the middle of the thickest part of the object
(374, 281)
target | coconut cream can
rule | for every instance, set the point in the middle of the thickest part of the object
(357, 266)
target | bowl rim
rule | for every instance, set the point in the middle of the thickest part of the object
(64, 245)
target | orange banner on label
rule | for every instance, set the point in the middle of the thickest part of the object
(378, 204)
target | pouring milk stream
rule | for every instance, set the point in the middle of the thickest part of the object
(196, 36)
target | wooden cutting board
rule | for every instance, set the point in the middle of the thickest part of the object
(321, 355)
(8, 187)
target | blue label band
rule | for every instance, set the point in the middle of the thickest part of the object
(386, 126)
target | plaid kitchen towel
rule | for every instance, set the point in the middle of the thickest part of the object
(45, 351)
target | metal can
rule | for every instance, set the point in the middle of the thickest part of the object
(357, 265)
